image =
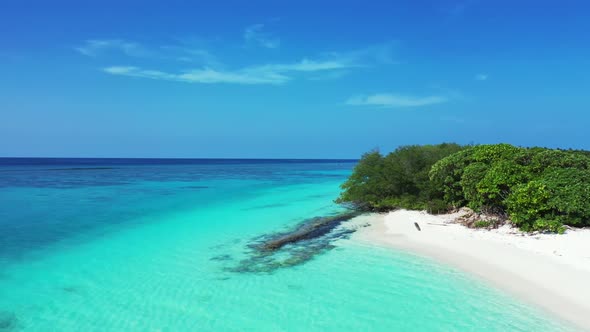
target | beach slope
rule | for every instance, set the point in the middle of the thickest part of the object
(549, 270)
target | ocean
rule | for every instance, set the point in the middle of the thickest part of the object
(169, 245)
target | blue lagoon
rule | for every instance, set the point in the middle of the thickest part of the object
(157, 245)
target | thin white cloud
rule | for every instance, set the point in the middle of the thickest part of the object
(206, 75)
(121, 70)
(481, 77)
(255, 34)
(187, 54)
(206, 68)
(95, 47)
(264, 74)
(377, 54)
(331, 75)
(305, 65)
(388, 100)
(180, 53)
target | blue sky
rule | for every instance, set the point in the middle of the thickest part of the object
(286, 79)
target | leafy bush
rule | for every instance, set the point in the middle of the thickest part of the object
(559, 196)
(527, 202)
(437, 206)
(543, 159)
(398, 180)
(367, 185)
(482, 224)
(498, 181)
(480, 176)
(538, 188)
(446, 174)
(472, 175)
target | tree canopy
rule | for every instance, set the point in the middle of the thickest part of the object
(397, 180)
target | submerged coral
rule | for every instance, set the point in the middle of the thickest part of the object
(313, 236)
(8, 321)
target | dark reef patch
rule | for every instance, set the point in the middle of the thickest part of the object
(195, 187)
(63, 169)
(266, 206)
(8, 321)
(295, 287)
(221, 258)
(308, 230)
(70, 289)
(225, 244)
(217, 246)
(270, 252)
(318, 196)
(80, 169)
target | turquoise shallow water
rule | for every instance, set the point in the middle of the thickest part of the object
(147, 247)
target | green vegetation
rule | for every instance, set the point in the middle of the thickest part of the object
(398, 180)
(537, 188)
(482, 224)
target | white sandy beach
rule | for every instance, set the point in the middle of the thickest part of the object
(549, 270)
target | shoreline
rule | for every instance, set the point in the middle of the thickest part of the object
(549, 271)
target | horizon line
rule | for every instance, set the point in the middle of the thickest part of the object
(184, 158)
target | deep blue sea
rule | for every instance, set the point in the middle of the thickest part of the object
(166, 245)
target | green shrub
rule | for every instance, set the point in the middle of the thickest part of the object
(527, 203)
(539, 189)
(544, 159)
(482, 224)
(491, 153)
(559, 196)
(472, 175)
(367, 184)
(498, 181)
(437, 206)
(398, 180)
(446, 174)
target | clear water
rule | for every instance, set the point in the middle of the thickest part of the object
(145, 245)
